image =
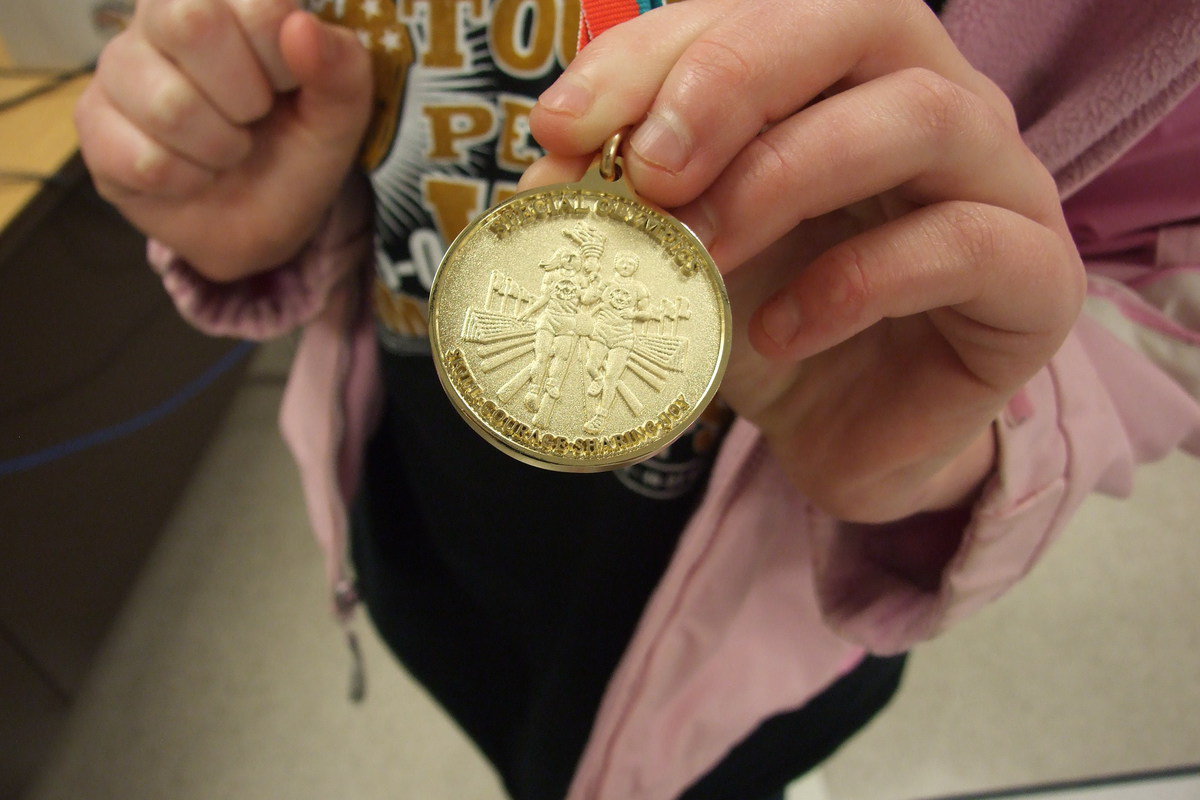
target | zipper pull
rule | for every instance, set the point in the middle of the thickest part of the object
(345, 600)
(358, 671)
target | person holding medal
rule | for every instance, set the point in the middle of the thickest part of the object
(909, 204)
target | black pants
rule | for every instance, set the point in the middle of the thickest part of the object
(791, 744)
(486, 702)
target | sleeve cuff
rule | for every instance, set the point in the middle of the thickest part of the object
(289, 295)
(889, 587)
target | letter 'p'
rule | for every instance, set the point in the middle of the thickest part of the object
(455, 128)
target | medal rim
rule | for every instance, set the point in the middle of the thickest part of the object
(591, 182)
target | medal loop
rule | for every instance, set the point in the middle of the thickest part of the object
(600, 15)
(610, 170)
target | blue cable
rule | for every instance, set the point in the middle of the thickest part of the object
(129, 426)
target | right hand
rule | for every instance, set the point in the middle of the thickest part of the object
(896, 257)
(225, 128)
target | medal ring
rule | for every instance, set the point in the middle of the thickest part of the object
(610, 170)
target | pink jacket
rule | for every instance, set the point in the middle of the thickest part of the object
(767, 600)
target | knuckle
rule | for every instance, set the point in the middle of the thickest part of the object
(973, 231)
(151, 170)
(847, 291)
(766, 162)
(1044, 181)
(1043, 187)
(716, 63)
(1067, 282)
(999, 102)
(185, 24)
(171, 108)
(941, 108)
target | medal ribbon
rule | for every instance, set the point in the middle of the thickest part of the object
(600, 15)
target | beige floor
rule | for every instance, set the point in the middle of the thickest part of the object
(1089, 667)
(225, 678)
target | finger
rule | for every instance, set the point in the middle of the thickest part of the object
(152, 94)
(1001, 288)
(913, 131)
(261, 21)
(124, 161)
(605, 88)
(551, 169)
(333, 71)
(203, 38)
(724, 64)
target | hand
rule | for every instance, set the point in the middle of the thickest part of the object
(225, 128)
(896, 257)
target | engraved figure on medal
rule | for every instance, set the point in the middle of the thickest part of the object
(577, 328)
(579, 315)
(555, 336)
(622, 302)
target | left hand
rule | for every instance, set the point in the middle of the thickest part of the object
(896, 257)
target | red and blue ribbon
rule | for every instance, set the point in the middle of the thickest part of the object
(600, 15)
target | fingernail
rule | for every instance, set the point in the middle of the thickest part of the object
(781, 320)
(567, 96)
(658, 141)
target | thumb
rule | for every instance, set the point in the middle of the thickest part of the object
(333, 71)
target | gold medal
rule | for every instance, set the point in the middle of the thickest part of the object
(576, 327)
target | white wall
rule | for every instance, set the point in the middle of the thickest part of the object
(50, 33)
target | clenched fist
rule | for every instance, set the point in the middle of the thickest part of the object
(225, 128)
